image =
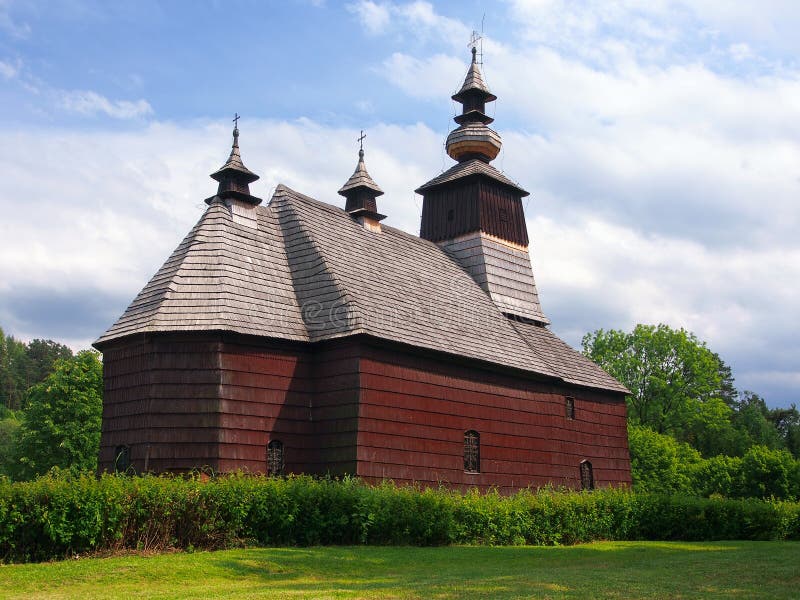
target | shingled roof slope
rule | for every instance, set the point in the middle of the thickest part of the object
(571, 365)
(223, 276)
(391, 285)
(311, 272)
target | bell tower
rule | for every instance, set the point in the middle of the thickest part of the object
(474, 212)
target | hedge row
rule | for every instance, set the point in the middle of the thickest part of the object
(54, 517)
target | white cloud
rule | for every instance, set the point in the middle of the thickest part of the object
(9, 70)
(418, 19)
(374, 17)
(92, 103)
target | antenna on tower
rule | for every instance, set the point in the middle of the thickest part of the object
(476, 41)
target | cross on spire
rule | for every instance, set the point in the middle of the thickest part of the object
(361, 140)
(236, 118)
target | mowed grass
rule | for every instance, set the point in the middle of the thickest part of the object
(599, 570)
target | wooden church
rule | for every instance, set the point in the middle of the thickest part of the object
(298, 337)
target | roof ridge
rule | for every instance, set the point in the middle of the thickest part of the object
(354, 309)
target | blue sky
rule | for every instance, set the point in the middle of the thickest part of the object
(660, 142)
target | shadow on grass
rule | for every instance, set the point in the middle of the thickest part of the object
(621, 569)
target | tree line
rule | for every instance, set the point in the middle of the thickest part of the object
(51, 406)
(690, 430)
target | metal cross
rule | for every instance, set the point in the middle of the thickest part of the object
(474, 39)
(236, 118)
(361, 140)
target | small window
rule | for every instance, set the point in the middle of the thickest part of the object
(275, 458)
(503, 215)
(472, 452)
(569, 407)
(122, 459)
(450, 215)
(587, 476)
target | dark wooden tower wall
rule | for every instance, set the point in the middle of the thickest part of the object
(473, 205)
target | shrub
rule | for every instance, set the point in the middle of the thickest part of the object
(61, 514)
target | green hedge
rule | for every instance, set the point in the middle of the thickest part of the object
(54, 517)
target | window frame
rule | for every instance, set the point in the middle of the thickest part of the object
(586, 472)
(276, 446)
(472, 452)
(569, 407)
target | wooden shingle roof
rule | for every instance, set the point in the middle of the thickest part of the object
(310, 272)
(467, 168)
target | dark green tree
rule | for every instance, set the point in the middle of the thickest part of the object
(752, 418)
(61, 423)
(669, 372)
(42, 354)
(787, 422)
(14, 370)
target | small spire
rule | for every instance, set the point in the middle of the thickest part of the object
(361, 190)
(234, 178)
(473, 138)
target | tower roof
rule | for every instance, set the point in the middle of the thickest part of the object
(234, 178)
(474, 82)
(234, 167)
(360, 179)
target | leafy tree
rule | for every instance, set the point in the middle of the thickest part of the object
(42, 355)
(667, 371)
(752, 418)
(709, 429)
(9, 428)
(659, 463)
(770, 473)
(61, 424)
(14, 369)
(787, 422)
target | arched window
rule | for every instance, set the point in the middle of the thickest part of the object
(587, 476)
(122, 459)
(275, 458)
(472, 452)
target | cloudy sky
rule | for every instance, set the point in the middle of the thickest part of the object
(660, 141)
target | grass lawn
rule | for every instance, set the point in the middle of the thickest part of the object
(601, 570)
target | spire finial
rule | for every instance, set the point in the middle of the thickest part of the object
(361, 145)
(474, 54)
(236, 118)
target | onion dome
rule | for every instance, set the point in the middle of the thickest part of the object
(361, 192)
(234, 178)
(473, 138)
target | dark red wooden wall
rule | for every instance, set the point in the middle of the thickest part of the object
(350, 406)
(414, 413)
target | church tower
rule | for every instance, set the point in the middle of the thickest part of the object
(474, 212)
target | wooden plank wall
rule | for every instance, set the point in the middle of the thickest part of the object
(335, 412)
(161, 398)
(414, 413)
(350, 406)
(266, 392)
